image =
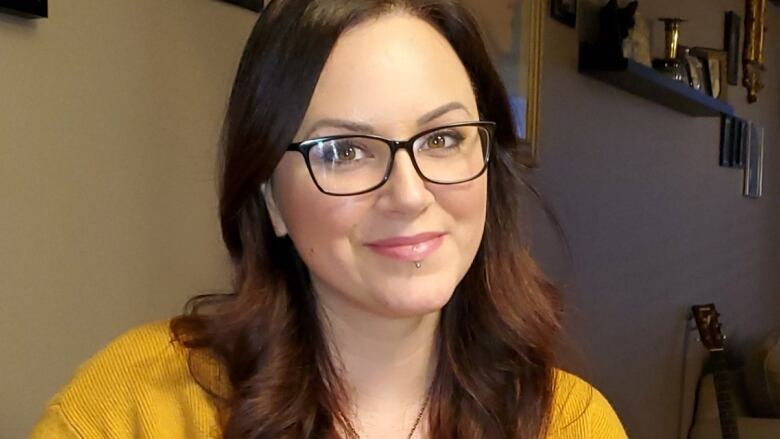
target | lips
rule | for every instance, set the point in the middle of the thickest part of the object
(408, 248)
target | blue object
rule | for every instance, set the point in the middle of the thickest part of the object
(519, 106)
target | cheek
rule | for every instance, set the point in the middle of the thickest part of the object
(466, 204)
(320, 225)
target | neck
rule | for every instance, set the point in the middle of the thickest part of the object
(384, 361)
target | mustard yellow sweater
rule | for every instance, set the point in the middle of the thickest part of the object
(139, 386)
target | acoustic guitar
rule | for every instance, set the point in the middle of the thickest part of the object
(712, 338)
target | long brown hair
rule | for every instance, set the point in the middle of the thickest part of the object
(279, 380)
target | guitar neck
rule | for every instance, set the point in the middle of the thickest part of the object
(728, 419)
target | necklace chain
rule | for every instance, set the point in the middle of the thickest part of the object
(355, 434)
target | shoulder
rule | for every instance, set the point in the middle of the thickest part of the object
(142, 357)
(138, 385)
(580, 410)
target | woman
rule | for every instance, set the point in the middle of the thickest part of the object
(381, 288)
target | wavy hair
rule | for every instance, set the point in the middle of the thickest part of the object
(503, 316)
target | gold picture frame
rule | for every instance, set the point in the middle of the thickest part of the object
(513, 32)
(753, 53)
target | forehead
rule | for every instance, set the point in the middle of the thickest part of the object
(389, 71)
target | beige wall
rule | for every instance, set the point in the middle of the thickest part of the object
(109, 116)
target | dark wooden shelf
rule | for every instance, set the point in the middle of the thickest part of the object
(26, 8)
(646, 82)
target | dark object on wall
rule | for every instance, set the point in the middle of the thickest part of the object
(26, 8)
(252, 5)
(743, 141)
(726, 140)
(733, 142)
(754, 162)
(564, 11)
(614, 24)
(731, 44)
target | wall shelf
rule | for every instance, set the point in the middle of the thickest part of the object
(646, 82)
(25, 8)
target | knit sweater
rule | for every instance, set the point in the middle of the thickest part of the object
(140, 386)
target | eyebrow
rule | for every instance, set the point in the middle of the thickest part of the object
(441, 111)
(368, 129)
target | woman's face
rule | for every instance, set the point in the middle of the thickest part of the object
(390, 74)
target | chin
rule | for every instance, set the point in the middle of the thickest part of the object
(415, 298)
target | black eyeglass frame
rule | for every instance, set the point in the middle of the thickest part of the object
(305, 146)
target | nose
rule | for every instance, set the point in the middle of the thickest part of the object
(405, 192)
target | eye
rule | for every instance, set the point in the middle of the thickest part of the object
(340, 151)
(437, 141)
(441, 140)
(347, 153)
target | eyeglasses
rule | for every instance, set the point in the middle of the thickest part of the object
(356, 164)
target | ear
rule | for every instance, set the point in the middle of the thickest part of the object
(280, 228)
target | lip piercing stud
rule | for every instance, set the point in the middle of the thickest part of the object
(417, 264)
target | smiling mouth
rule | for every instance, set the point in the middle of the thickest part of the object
(414, 248)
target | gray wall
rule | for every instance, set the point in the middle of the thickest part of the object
(654, 224)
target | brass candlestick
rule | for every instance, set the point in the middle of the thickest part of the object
(672, 31)
(671, 65)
